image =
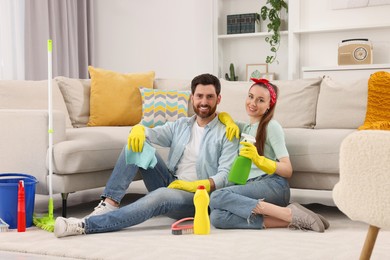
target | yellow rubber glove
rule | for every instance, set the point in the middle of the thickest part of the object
(136, 138)
(189, 186)
(232, 129)
(249, 151)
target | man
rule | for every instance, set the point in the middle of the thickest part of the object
(200, 154)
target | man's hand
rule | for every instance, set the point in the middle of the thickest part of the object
(232, 129)
(249, 151)
(189, 186)
(136, 138)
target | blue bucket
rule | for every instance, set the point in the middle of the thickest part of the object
(9, 197)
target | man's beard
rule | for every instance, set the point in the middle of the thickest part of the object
(211, 111)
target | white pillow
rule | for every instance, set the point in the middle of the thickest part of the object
(341, 105)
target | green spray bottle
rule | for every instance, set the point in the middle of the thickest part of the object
(241, 166)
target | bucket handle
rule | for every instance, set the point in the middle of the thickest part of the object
(18, 175)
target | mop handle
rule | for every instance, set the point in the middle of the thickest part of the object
(50, 109)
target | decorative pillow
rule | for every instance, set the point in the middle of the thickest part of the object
(297, 102)
(76, 93)
(378, 102)
(160, 106)
(115, 97)
(341, 105)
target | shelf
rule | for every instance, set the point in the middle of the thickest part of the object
(248, 35)
(347, 67)
(342, 29)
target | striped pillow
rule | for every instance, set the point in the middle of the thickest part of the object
(160, 106)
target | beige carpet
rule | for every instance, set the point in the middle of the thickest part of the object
(153, 240)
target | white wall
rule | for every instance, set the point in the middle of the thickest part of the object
(175, 37)
(171, 37)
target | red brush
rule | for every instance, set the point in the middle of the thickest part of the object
(180, 228)
(21, 207)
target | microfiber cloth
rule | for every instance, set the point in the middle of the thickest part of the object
(145, 159)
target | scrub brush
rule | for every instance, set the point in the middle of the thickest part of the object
(178, 228)
(3, 226)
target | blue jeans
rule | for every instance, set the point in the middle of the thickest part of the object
(159, 201)
(231, 207)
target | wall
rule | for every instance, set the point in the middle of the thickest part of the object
(171, 37)
(175, 37)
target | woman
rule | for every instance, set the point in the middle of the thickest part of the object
(262, 201)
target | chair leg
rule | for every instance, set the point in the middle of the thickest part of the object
(369, 243)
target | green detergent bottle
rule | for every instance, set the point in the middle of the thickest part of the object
(241, 166)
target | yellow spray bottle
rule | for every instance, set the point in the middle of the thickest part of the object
(241, 166)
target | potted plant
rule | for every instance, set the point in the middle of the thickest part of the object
(271, 11)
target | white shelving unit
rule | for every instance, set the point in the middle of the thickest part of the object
(345, 74)
(297, 43)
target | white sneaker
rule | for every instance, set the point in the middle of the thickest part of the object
(68, 227)
(102, 208)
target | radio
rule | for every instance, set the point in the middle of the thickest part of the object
(355, 51)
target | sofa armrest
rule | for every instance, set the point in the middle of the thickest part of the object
(24, 142)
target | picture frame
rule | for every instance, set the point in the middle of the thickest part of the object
(270, 76)
(255, 70)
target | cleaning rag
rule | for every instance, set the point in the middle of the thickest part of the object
(145, 159)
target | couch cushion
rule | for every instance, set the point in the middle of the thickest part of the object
(76, 93)
(89, 149)
(296, 105)
(115, 97)
(297, 102)
(341, 105)
(23, 94)
(92, 149)
(315, 150)
(160, 106)
(233, 96)
(378, 104)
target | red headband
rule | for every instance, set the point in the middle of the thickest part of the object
(269, 87)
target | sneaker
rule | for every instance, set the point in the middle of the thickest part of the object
(305, 219)
(324, 221)
(68, 227)
(102, 208)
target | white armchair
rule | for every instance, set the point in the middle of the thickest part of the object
(362, 192)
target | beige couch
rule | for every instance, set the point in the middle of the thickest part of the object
(316, 114)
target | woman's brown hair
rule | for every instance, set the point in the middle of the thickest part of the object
(261, 134)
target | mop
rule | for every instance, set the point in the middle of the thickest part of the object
(46, 222)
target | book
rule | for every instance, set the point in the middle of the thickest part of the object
(241, 23)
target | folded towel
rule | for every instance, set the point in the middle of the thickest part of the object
(145, 159)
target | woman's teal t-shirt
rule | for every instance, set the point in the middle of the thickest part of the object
(275, 145)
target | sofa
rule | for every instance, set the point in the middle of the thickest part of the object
(316, 115)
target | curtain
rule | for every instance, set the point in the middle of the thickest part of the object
(69, 24)
(11, 39)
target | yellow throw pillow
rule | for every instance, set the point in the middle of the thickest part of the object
(378, 102)
(115, 97)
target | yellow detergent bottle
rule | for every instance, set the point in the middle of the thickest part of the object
(201, 219)
(241, 166)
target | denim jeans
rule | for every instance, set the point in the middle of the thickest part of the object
(231, 207)
(159, 201)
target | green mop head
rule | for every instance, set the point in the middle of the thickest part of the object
(47, 221)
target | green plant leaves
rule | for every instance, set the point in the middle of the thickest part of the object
(271, 11)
